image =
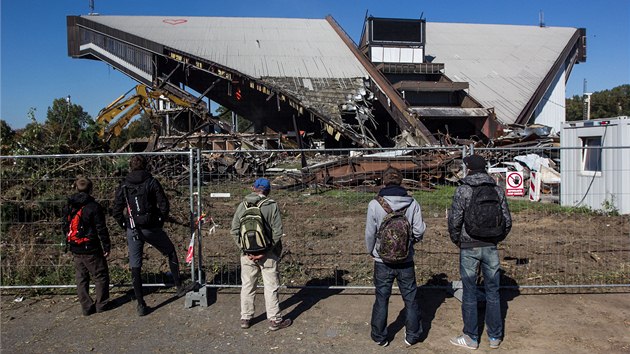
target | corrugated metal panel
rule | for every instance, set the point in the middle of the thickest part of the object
(257, 47)
(551, 110)
(609, 186)
(504, 64)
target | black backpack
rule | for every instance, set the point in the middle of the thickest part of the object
(137, 197)
(483, 217)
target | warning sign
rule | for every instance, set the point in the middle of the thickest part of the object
(514, 184)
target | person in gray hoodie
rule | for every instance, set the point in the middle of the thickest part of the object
(477, 252)
(403, 272)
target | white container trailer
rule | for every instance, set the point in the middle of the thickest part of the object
(595, 164)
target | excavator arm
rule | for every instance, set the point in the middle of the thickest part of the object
(117, 115)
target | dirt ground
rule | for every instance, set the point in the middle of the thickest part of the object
(324, 322)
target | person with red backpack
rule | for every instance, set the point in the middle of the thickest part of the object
(394, 224)
(87, 237)
(478, 220)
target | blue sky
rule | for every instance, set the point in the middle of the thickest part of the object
(35, 67)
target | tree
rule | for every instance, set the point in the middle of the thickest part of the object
(7, 135)
(604, 104)
(70, 129)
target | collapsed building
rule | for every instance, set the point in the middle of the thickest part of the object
(408, 82)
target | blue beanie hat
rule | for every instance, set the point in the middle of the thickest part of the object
(262, 184)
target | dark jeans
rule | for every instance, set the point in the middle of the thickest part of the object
(488, 259)
(96, 266)
(157, 238)
(384, 276)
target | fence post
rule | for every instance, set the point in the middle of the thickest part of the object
(200, 292)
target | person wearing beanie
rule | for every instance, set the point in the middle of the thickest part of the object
(87, 237)
(479, 251)
(263, 262)
(392, 198)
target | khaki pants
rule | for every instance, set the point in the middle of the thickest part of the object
(250, 271)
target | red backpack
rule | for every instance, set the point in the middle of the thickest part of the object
(75, 229)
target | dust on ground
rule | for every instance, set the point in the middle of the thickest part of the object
(328, 321)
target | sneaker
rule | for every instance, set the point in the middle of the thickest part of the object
(495, 342)
(142, 309)
(276, 325)
(465, 341)
(245, 324)
(409, 343)
(383, 343)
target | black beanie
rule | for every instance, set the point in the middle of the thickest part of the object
(475, 163)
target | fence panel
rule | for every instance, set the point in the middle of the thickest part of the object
(554, 242)
(34, 191)
(324, 206)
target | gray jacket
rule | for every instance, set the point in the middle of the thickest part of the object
(375, 215)
(461, 199)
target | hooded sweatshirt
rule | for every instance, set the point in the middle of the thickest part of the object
(93, 223)
(157, 200)
(397, 198)
(461, 199)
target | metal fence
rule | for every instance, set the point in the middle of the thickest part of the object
(35, 190)
(552, 245)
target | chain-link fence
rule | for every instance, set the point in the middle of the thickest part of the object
(555, 242)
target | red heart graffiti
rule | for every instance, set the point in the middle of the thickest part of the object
(174, 21)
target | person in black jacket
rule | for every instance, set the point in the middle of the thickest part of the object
(87, 238)
(478, 252)
(144, 196)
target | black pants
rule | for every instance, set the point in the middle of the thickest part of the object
(94, 265)
(157, 238)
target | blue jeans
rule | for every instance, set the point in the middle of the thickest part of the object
(384, 276)
(469, 260)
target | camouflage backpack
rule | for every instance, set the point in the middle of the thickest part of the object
(392, 238)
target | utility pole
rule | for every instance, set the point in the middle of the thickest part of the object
(586, 112)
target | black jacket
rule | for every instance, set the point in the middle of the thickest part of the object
(461, 199)
(158, 202)
(92, 221)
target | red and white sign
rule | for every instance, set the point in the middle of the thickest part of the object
(514, 184)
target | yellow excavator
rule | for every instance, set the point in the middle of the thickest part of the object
(125, 107)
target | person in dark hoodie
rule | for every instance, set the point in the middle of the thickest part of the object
(403, 272)
(144, 196)
(478, 252)
(87, 238)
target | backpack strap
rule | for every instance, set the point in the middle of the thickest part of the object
(388, 209)
(261, 202)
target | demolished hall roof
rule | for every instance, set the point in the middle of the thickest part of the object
(505, 65)
(508, 67)
(257, 47)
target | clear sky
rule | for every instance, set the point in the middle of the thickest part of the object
(36, 69)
